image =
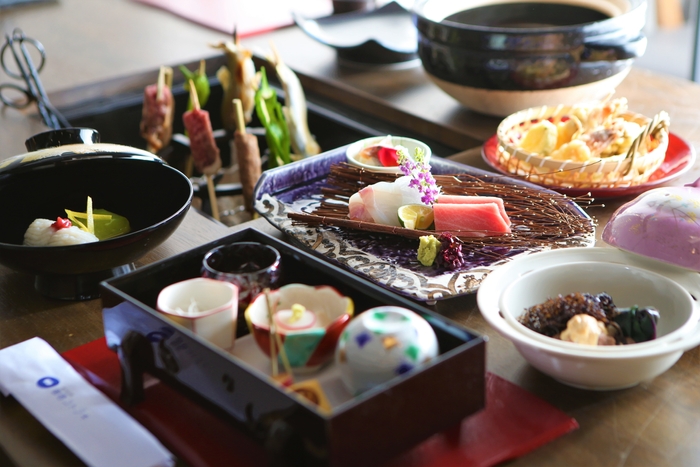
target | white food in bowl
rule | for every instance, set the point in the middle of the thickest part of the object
(579, 365)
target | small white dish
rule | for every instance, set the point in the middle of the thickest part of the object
(580, 366)
(409, 143)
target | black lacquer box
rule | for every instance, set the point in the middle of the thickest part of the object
(364, 430)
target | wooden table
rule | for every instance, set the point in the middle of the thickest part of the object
(654, 424)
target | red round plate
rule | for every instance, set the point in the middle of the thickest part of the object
(679, 158)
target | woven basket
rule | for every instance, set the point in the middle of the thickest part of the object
(633, 167)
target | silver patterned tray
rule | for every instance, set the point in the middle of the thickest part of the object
(387, 260)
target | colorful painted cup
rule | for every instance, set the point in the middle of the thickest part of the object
(309, 320)
(207, 307)
(381, 344)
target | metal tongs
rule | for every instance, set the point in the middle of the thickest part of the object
(26, 71)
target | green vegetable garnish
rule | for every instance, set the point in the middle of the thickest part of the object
(269, 111)
(99, 222)
(201, 84)
(428, 249)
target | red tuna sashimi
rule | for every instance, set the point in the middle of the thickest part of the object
(484, 218)
(460, 199)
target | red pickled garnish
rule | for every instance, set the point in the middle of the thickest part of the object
(61, 223)
(451, 255)
(388, 157)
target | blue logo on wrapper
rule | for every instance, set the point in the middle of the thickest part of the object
(47, 382)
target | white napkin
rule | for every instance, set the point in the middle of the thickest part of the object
(96, 429)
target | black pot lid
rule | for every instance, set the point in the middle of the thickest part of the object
(382, 36)
(66, 145)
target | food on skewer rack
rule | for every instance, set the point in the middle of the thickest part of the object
(205, 152)
(271, 115)
(295, 111)
(201, 83)
(158, 111)
(238, 80)
(248, 156)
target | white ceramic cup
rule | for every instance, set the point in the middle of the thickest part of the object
(207, 307)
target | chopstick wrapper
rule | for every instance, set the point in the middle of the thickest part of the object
(97, 430)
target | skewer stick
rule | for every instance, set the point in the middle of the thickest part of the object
(212, 198)
(209, 177)
(273, 352)
(168, 76)
(160, 83)
(240, 121)
(283, 356)
(274, 335)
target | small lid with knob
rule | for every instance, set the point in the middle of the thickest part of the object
(69, 144)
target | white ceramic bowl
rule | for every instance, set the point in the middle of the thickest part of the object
(584, 366)
(409, 143)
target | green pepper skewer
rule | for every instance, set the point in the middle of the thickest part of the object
(201, 83)
(269, 111)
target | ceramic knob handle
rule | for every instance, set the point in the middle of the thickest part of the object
(55, 138)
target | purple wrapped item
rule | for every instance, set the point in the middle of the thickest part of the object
(663, 224)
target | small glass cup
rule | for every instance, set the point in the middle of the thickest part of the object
(251, 266)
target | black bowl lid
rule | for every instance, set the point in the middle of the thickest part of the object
(62, 137)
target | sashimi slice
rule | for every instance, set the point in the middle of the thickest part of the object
(460, 199)
(475, 218)
(381, 201)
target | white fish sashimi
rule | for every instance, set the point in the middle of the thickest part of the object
(380, 203)
(40, 233)
(71, 236)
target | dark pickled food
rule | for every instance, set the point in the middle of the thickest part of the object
(591, 319)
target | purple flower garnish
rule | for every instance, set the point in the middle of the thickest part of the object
(421, 178)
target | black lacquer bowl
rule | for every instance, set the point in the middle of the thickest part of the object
(153, 196)
(498, 58)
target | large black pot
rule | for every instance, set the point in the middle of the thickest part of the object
(528, 46)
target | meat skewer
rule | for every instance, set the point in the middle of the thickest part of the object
(158, 111)
(248, 155)
(205, 152)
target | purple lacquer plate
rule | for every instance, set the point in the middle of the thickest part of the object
(386, 260)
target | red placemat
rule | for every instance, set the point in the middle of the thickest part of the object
(247, 16)
(513, 423)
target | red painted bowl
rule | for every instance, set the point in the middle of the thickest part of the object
(308, 319)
